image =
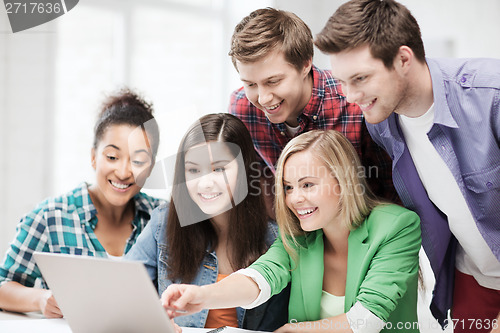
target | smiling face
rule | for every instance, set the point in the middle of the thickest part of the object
(312, 193)
(122, 161)
(211, 176)
(276, 87)
(377, 90)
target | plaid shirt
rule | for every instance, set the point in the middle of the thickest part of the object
(63, 225)
(327, 109)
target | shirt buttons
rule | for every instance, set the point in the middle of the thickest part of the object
(282, 133)
(315, 117)
(489, 185)
(463, 79)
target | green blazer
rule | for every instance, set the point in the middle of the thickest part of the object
(382, 269)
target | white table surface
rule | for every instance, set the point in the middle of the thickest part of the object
(11, 322)
(5, 315)
(34, 322)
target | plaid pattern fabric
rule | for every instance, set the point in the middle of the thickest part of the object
(63, 225)
(327, 109)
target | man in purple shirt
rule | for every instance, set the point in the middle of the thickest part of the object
(439, 120)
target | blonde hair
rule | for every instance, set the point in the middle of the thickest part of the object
(339, 156)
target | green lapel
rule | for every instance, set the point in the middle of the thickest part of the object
(311, 274)
(356, 265)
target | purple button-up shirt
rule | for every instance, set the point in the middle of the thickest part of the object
(466, 134)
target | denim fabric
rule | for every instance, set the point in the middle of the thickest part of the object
(151, 249)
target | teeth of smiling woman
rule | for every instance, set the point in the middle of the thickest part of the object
(120, 186)
(209, 196)
(305, 211)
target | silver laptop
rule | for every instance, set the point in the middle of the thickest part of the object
(98, 295)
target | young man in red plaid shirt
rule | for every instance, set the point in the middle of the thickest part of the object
(284, 95)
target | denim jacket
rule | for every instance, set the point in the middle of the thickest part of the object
(151, 249)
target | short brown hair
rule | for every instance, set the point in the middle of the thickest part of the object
(384, 25)
(268, 29)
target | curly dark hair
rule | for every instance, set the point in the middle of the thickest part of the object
(127, 108)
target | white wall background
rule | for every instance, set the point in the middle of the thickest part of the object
(52, 77)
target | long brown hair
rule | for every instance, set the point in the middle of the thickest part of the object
(187, 245)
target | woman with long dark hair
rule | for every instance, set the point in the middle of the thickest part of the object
(215, 224)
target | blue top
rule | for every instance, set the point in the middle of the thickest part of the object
(151, 249)
(64, 225)
(466, 134)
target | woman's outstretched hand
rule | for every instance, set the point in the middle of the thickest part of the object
(182, 299)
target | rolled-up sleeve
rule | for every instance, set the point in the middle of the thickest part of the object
(275, 267)
(18, 264)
